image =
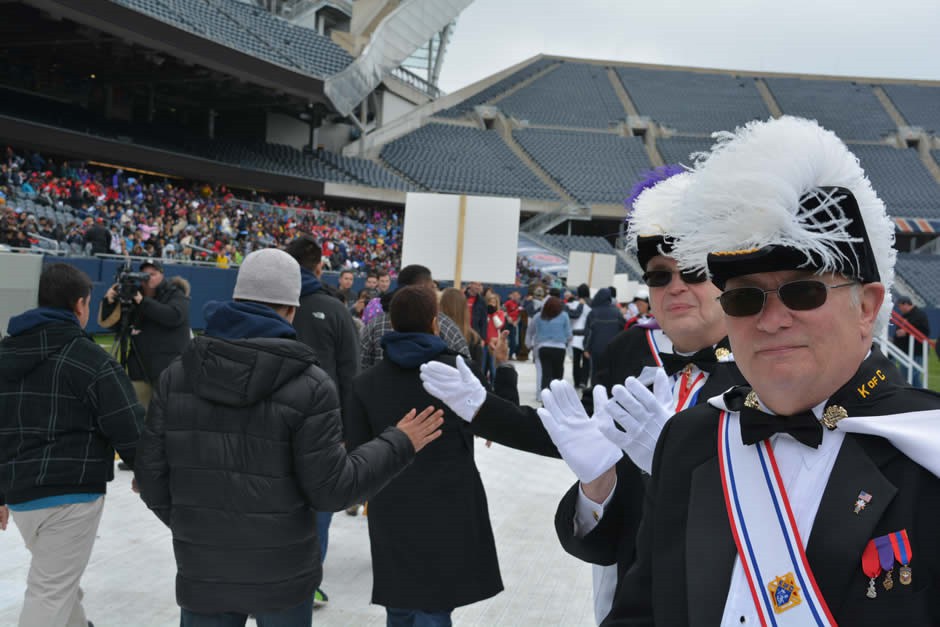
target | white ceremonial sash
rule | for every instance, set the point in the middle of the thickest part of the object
(782, 584)
(916, 434)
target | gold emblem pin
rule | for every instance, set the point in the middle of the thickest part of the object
(832, 415)
(722, 353)
(750, 400)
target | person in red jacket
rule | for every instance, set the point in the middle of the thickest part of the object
(513, 309)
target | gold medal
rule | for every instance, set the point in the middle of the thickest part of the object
(888, 583)
(905, 575)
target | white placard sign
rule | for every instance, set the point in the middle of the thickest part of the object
(592, 268)
(625, 287)
(480, 247)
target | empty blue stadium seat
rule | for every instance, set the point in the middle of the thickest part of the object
(901, 180)
(250, 29)
(919, 104)
(497, 88)
(849, 109)
(922, 272)
(681, 149)
(574, 95)
(592, 167)
(463, 160)
(693, 102)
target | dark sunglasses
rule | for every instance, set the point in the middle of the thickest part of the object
(662, 278)
(796, 295)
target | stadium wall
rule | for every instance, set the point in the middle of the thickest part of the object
(206, 283)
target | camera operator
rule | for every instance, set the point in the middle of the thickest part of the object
(159, 324)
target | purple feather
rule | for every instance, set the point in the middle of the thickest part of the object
(650, 179)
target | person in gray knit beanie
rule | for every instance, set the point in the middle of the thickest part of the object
(269, 276)
(243, 444)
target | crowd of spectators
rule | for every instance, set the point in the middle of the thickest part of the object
(99, 210)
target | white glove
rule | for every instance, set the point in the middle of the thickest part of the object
(460, 390)
(642, 415)
(586, 451)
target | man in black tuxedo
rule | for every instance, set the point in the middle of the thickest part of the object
(597, 519)
(800, 246)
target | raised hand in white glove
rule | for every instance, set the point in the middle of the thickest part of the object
(457, 387)
(642, 415)
(586, 451)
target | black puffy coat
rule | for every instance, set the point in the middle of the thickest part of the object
(242, 444)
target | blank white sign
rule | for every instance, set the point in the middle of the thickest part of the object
(594, 269)
(490, 237)
(625, 287)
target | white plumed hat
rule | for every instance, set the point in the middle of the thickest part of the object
(784, 194)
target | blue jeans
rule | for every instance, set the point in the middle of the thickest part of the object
(513, 339)
(323, 532)
(398, 617)
(299, 616)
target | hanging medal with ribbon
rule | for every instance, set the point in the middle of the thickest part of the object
(886, 560)
(902, 551)
(871, 566)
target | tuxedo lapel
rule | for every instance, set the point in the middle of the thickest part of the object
(839, 535)
(725, 376)
(710, 549)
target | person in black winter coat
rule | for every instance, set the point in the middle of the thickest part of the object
(432, 544)
(160, 319)
(324, 324)
(243, 442)
(603, 324)
(65, 406)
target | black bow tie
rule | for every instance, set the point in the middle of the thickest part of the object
(705, 360)
(757, 426)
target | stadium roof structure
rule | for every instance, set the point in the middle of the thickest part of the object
(228, 36)
(587, 128)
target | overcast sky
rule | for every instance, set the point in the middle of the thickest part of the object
(877, 38)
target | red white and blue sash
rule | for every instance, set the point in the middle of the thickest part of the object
(685, 388)
(769, 546)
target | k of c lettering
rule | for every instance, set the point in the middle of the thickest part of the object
(871, 384)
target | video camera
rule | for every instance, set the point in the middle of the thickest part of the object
(129, 283)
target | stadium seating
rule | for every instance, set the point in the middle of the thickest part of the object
(693, 102)
(901, 180)
(920, 105)
(365, 172)
(922, 272)
(496, 89)
(249, 29)
(680, 149)
(592, 167)
(575, 95)
(462, 160)
(851, 110)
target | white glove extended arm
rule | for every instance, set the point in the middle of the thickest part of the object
(642, 415)
(457, 387)
(586, 451)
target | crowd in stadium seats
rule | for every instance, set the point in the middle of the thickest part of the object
(49, 204)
